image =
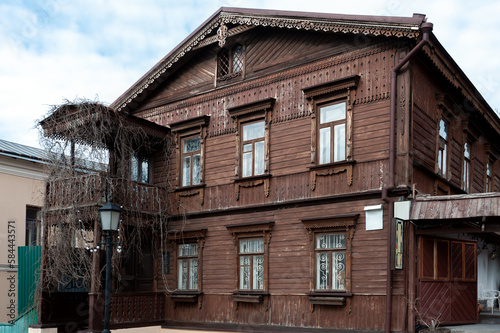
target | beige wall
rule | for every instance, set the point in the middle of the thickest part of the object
(21, 185)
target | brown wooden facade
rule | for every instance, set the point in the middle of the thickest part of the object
(282, 68)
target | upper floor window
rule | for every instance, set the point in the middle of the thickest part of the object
(253, 149)
(190, 137)
(191, 161)
(442, 148)
(140, 168)
(331, 108)
(488, 186)
(466, 168)
(252, 124)
(230, 63)
(332, 133)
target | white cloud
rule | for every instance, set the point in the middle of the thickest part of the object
(57, 49)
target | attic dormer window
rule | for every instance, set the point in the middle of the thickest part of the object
(230, 62)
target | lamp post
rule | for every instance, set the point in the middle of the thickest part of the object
(110, 218)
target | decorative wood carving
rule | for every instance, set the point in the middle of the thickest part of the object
(251, 183)
(224, 18)
(331, 171)
(222, 34)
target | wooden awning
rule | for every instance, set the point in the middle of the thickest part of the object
(472, 213)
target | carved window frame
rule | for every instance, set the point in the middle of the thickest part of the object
(184, 130)
(470, 136)
(325, 225)
(188, 237)
(491, 158)
(445, 112)
(255, 230)
(245, 114)
(342, 90)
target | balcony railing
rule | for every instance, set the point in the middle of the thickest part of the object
(92, 190)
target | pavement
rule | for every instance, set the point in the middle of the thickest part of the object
(488, 323)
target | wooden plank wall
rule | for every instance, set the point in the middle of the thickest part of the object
(425, 106)
(289, 273)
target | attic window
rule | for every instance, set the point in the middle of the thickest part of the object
(230, 63)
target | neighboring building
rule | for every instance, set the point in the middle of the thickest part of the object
(22, 178)
(303, 146)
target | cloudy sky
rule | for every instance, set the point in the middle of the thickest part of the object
(52, 50)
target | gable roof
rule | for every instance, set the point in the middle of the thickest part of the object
(215, 30)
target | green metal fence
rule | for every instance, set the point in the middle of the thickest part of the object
(28, 275)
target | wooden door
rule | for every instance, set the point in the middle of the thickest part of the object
(447, 281)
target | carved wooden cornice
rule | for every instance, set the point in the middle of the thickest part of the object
(387, 29)
(190, 123)
(263, 228)
(344, 222)
(333, 86)
(263, 105)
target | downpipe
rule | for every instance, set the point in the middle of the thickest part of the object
(426, 29)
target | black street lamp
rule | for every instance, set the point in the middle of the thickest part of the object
(110, 219)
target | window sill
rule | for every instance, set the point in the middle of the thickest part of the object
(331, 165)
(190, 187)
(251, 178)
(185, 296)
(249, 296)
(328, 298)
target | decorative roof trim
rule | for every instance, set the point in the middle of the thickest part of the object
(275, 19)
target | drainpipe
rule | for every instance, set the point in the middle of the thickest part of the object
(426, 29)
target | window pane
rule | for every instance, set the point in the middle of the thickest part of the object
(322, 270)
(223, 62)
(182, 280)
(134, 168)
(247, 148)
(186, 171)
(245, 272)
(330, 241)
(196, 169)
(332, 113)
(259, 158)
(253, 131)
(247, 164)
(339, 153)
(324, 145)
(145, 171)
(237, 58)
(443, 129)
(466, 150)
(488, 169)
(190, 145)
(193, 274)
(338, 270)
(258, 272)
(251, 245)
(188, 250)
(443, 161)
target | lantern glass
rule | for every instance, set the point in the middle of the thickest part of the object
(110, 217)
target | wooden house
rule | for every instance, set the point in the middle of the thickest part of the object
(302, 145)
